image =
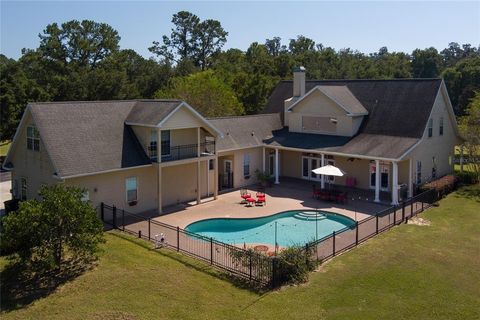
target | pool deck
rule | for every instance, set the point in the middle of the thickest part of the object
(289, 195)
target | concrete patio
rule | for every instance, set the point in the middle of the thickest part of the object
(290, 194)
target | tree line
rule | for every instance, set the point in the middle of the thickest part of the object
(82, 60)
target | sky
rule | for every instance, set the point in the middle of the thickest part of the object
(364, 26)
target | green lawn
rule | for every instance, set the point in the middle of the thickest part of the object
(410, 272)
(4, 146)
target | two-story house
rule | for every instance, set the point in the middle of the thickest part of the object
(148, 154)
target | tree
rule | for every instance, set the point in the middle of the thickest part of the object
(426, 63)
(301, 45)
(274, 46)
(470, 129)
(49, 231)
(84, 43)
(204, 90)
(210, 39)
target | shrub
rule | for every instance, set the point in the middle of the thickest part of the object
(294, 265)
(467, 177)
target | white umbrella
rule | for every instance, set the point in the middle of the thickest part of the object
(329, 170)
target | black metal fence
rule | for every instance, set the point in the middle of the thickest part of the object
(188, 151)
(255, 267)
(349, 237)
(243, 263)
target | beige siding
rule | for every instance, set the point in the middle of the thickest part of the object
(237, 161)
(35, 166)
(183, 118)
(319, 105)
(440, 147)
(143, 135)
(110, 188)
(180, 137)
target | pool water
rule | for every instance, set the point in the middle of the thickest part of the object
(293, 228)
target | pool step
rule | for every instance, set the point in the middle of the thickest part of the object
(309, 215)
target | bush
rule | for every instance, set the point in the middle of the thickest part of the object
(294, 265)
(467, 177)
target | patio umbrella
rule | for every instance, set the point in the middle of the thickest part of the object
(329, 170)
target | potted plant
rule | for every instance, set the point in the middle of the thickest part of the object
(264, 178)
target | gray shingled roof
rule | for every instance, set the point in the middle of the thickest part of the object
(369, 145)
(245, 131)
(344, 97)
(151, 112)
(88, 137)
(398, 107)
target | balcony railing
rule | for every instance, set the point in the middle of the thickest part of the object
(188, 151)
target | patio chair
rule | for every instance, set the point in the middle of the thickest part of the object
(244, 195)
(342, 197)
(316, 192)
(261, 199)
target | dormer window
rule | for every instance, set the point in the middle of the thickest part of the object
(430, 127)
(440, 129)
(33, 138)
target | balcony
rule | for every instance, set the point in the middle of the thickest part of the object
(182, 152)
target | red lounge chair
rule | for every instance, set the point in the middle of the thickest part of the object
(245, 195)
(250, 202)
(261, 199)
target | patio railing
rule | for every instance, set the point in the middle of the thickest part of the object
(258, 268)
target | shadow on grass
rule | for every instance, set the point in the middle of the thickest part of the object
(469, 192)
(195, 265)
(21, 285)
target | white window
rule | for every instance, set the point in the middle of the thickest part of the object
(419, 172)
(440, 129)
(165, 143)
(211, 165)
(152, 148)
(131, 189)
(430, 127)
(33, 138)
(23, 189)
(246, 165)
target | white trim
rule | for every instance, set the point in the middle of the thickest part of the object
(328, 96)
(195, 112)
(15, 137)
(140, 124)
(105, 171)
(243, 148)
(450, 111)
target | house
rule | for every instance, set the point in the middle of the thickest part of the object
(146, 155)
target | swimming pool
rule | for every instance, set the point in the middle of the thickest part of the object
(293, 228)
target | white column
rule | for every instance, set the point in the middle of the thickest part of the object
(263, 159)
(215, 178)
(198, 142)
(276, 167)
(395, 184)
(159, 178)
(410, 178)
(461, 158)
(377, 180)
(199, 195)
(322, 177)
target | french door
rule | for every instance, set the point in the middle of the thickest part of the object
(308, 164)
(384, 176)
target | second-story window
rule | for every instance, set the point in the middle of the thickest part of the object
(165, 142)
(430, 127)
(246, 165)
(152, 147)
(440, 129)
(33, 138)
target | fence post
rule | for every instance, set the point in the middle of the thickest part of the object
(333, 242)
(250, 265)
(411, 208)
(356, 233)
(211, 254)
(394, 215)
(148, 229)
(274, 272)
(376, 220)
(306, 253)
(114, 214)
(102, 210)
(403, 211)
(422, 205)
(140, 234)
(123, 220)
(178, 238)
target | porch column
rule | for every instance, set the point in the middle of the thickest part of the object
(215, 178)
(159, 178)
(410, 178)
(276, 167)
(461, 158)
(198, 142)
(377, 180)
(263, 159)
(395, 184)
(322, 177)
(198, 183)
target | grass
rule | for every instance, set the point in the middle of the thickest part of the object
(4, 146)
(410, 272)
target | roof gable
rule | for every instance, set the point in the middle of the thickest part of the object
(398, 107)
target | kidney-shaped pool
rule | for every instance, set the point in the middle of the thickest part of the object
(292, 228)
